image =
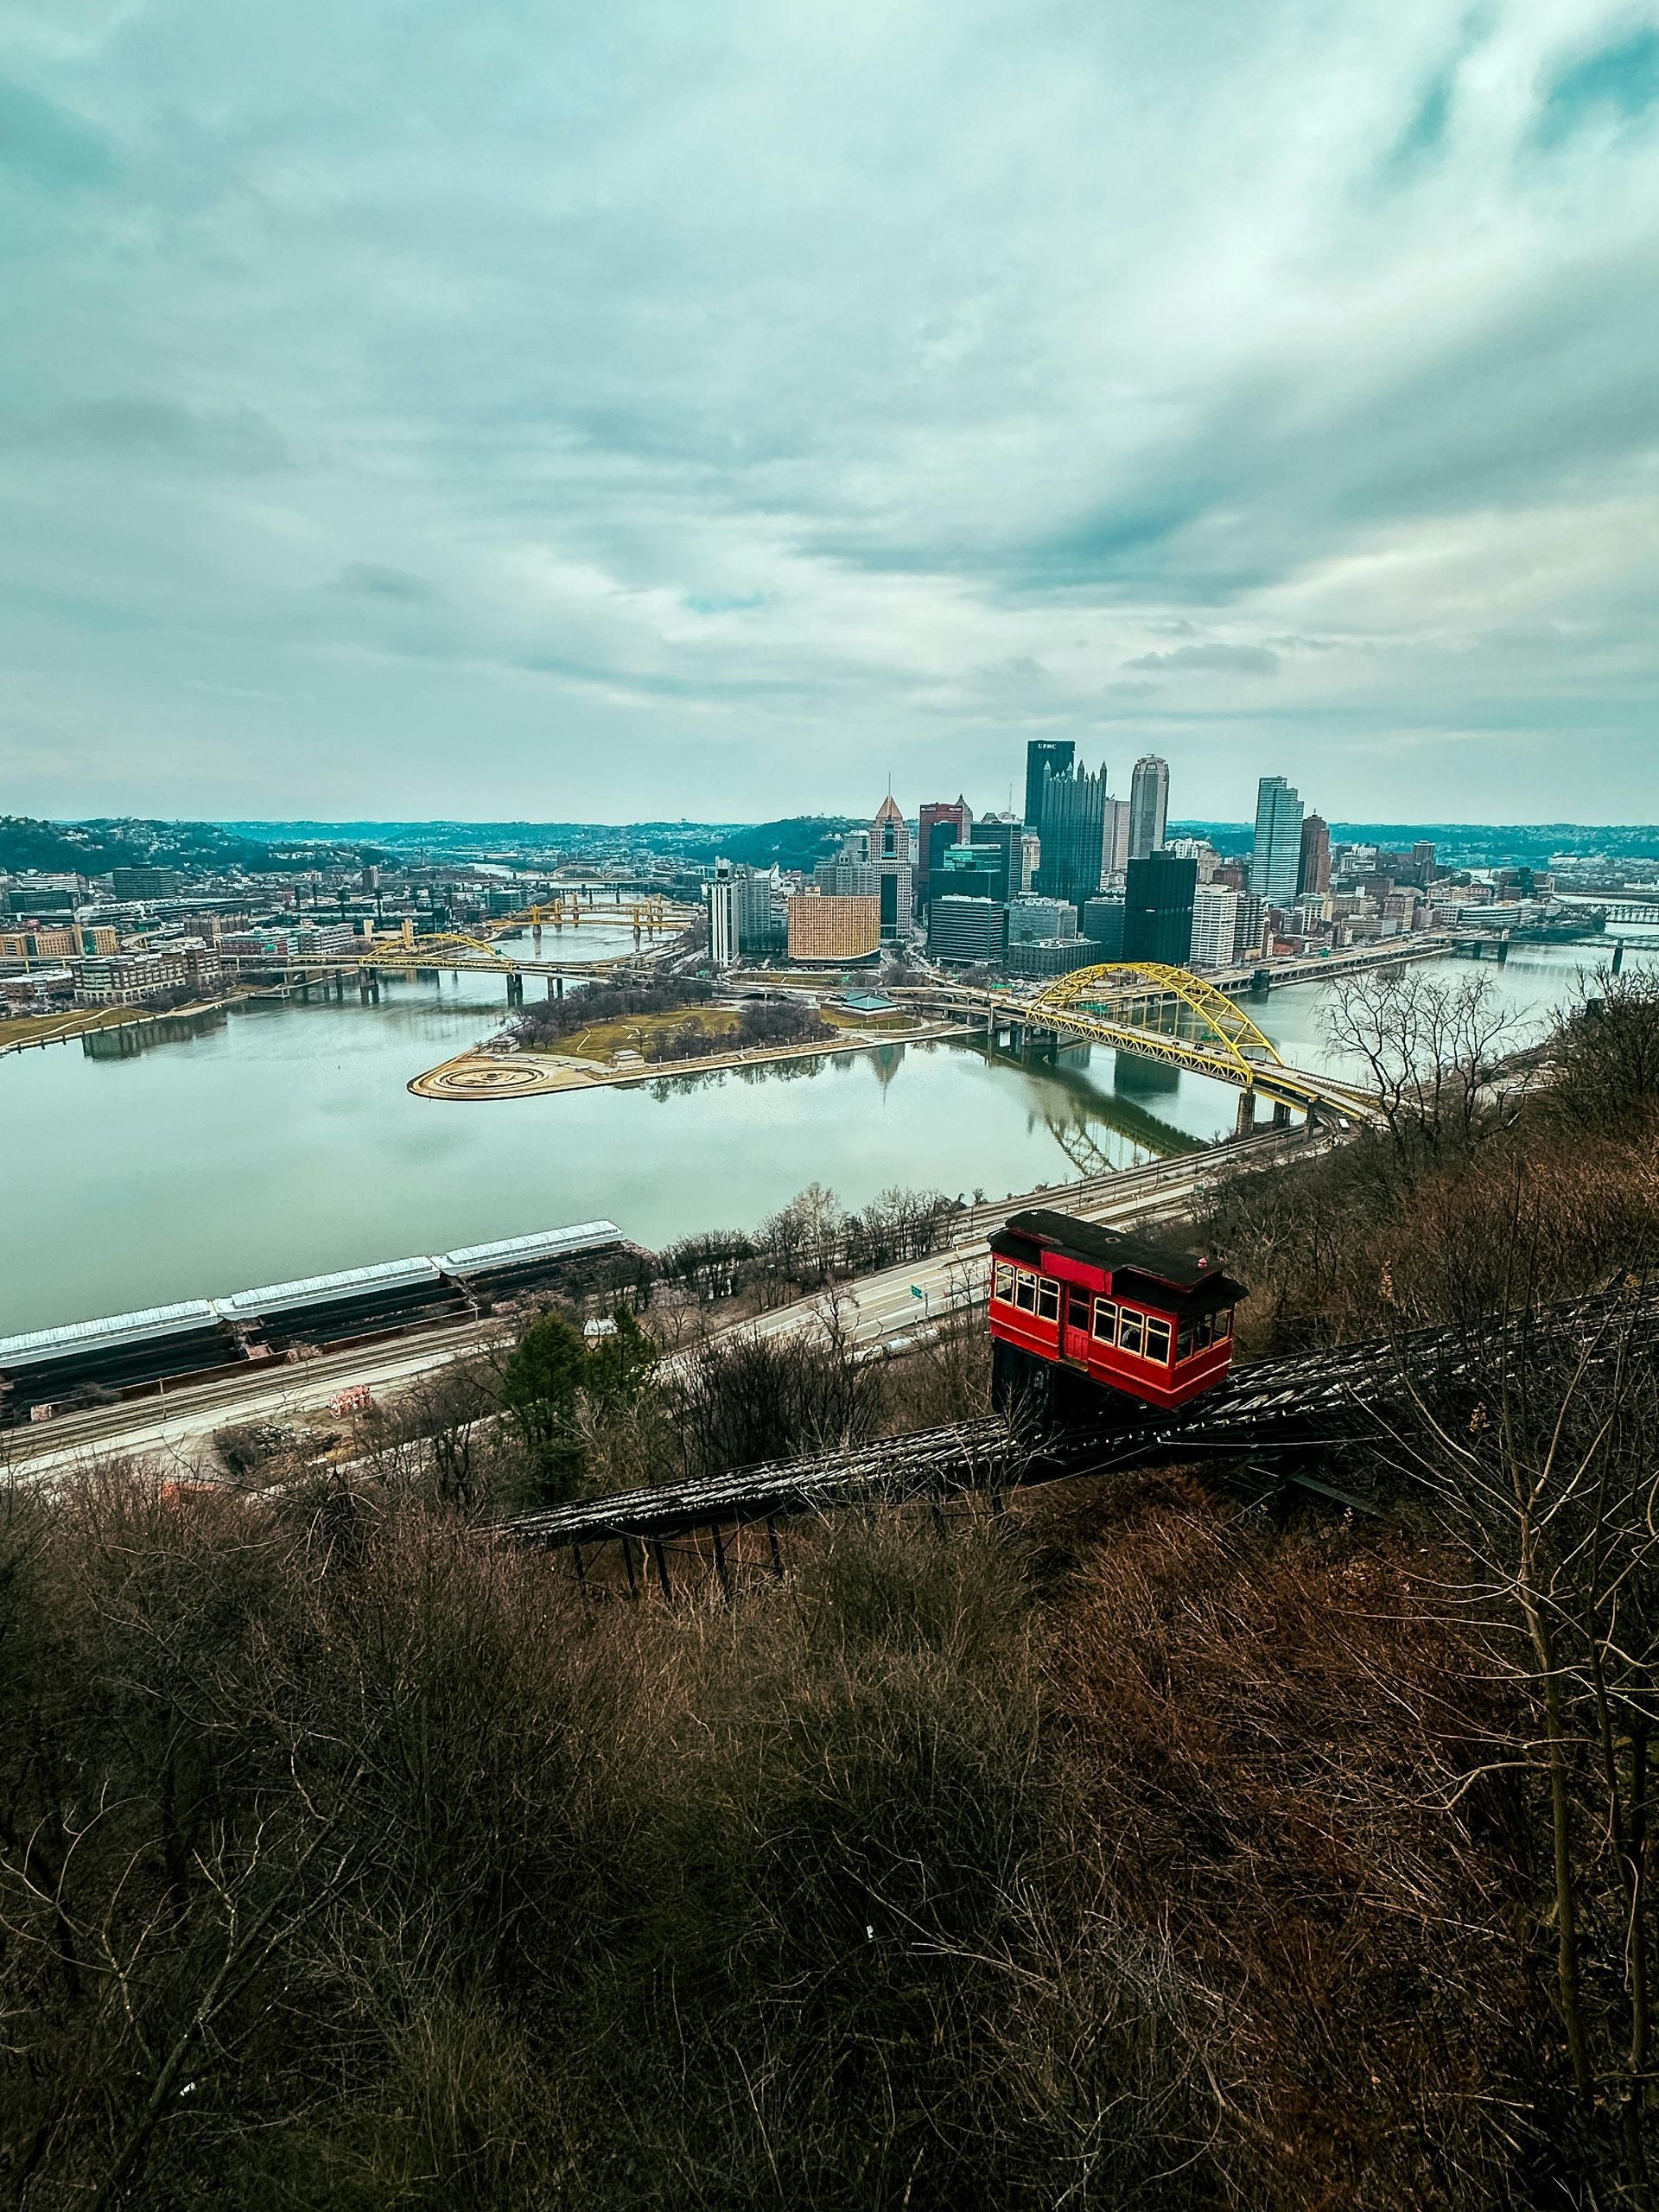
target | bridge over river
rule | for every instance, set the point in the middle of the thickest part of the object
(1159, 1012)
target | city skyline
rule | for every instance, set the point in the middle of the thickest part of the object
(649, 415)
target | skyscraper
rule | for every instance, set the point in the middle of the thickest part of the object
(1215, 926)
(1045, 756)
(722, 916)
(1313, 873)
(1148, 805)
(1115, 841)
(959, 817)
(1000, 837)
(1075, 824)
(1278, 840)
(890, 857)
(1158, 909)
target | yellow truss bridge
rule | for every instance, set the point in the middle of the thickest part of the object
(461, 955)
(646, 915)
(1170, 1015)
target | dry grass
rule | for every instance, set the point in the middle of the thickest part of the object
(28, 1029)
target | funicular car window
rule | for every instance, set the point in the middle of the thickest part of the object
(1129, 1330)
(1158, 1341)
(1025, 1292)
(1048, 1299)
(1183, 1342)
(1206, 1330)
(1002, 1282)
(1106, 1320)
(1224, 1326)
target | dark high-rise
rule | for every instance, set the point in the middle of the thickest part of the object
(1158, 909)
(1078, 814)
(1044, 757)
(1001, 840)
(1313, 874)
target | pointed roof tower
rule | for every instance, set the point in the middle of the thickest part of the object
(889, 833)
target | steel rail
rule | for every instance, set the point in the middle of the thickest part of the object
(1286, 1405)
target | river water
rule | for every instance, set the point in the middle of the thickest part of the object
(279, 1141)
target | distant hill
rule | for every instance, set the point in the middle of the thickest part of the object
(92, 848)
(795, 841)
(1470, 844)
(95, 847)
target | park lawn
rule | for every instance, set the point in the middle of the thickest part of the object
(24, 1028)
(628, 1032)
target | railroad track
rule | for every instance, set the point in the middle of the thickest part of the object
(1271, 1409)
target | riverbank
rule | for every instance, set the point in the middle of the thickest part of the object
(480, 1074)
(22, 1031)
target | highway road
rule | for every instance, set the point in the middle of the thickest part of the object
(177, 1428)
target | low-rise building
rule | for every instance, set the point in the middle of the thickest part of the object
(66, 943)
(1031, 920)
(830, 928)
(968, 929)
(124, 978)
(1052, 955)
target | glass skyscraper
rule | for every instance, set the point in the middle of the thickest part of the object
(1148, 805)
(1278, 857)
(1076, 817)
(1045, 756)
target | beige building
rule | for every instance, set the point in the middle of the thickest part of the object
(55, 943)
(127, 977)
(831, 929)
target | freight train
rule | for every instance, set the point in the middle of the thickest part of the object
(1090, 1324)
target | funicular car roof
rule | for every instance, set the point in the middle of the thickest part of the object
(1138, 1270)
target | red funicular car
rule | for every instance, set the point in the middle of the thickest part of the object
(1075, 1304)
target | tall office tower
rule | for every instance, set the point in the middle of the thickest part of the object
(722, 916)
(1045, 756)
(851, 874)
(954, 814)
(1115, 853)
(1030, 854)
(1215, 925)
(967, 872)
(761, 926)
(1248, 930)
(1313, 873)
(890, 856)
(1002, 840)
(1278, 840)
(889, 834)
(1148, 805)
(1075, 828)
(1158, 909)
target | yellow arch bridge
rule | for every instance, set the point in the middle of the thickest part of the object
(1172, 1016)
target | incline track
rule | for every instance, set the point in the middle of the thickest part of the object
(1272, 1407)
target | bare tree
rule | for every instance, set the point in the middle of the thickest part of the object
(1430, 1049)
(1543, 1473)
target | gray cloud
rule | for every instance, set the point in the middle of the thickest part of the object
(1222, 660)
(685, 412)
(129, 425)
(368, 580)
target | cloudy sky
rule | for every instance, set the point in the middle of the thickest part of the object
(674, 407)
